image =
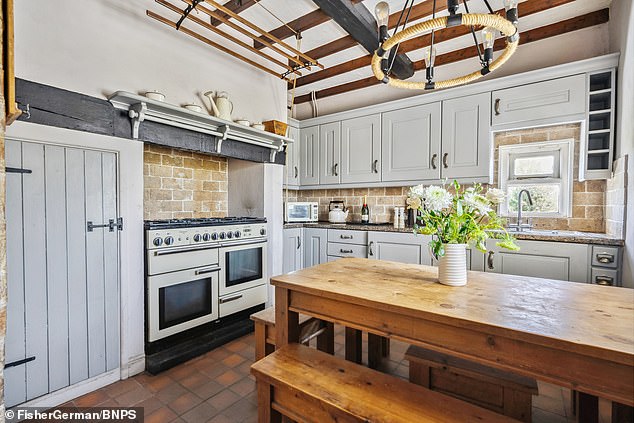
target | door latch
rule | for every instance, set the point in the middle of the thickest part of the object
(111, 225)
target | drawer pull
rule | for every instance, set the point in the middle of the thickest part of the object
(497, 107)
(370, 251)
(336, 169)
(229, 299)
(433, 161)
(375, 165)
(444, 160)
(207, 270)
(604, 280)
(345, 236)
(490, 260)
(605, 258)
(341, 250)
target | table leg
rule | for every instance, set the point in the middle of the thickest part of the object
(375, 350)
(286, 321)
(587, 408)
(354, 345)
(622, 413)
(326, 341)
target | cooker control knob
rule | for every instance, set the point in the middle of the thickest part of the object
(229, 234)
(237, 234)
(157, 241)
(169, 240)
(206, 237)
(214, 236)
(197, 238)
(222, 235)
(262, 231)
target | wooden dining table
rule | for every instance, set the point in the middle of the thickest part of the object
(578, 336)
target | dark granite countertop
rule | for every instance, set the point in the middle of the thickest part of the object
(534, 235)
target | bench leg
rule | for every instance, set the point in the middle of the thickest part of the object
(375, 350)
(587, 408)
(260, 341)
(518, 405)
(326, 340)
(385, 346)
(622, 413)
(266, 414)
(353, 345)
(419, 374)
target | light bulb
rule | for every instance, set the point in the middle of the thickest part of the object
(488, 37)
(382, 13)
(511, 11)
(430, 56)
(510, 4)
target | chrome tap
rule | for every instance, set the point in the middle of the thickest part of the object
(519, 226)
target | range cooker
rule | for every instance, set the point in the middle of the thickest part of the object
(200, 271)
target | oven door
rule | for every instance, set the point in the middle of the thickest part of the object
(243, 266)
(178, 301)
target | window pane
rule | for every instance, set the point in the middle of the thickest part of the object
(534, 165)
(545, 198)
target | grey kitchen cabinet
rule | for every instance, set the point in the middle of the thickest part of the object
(540, 100)
(466, 139)
(541, 259)
(400, 247)
(292, 250)
(329, 153)
(291, 170)
(410, 143)
(315, 240)
(361, 149)
(309, 156)
(475, 260)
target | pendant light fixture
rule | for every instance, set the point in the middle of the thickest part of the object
(491, 23)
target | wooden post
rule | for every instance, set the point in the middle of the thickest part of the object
(354, 347)
(286, 321)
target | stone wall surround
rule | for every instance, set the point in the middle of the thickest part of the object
(615, 199)
(182, 184)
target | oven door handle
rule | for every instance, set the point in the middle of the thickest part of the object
(185, 250)
(247, 242)
(207, 270)
(229, 299)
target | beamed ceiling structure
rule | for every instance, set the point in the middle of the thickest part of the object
(339, 35)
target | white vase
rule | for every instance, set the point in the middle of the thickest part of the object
(452, 267)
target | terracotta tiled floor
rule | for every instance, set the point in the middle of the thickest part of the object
(217, 388)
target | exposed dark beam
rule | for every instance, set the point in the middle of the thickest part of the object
(235, 6)
(307, 21)
(541, 33)
(525, 9)
(357, 21)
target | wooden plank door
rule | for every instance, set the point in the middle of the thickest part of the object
(361, 149)
(63, 281)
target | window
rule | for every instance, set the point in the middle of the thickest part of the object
(545, 170)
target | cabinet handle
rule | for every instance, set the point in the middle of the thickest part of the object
(370, 251)
(604, 280)
(336, 169)
(374, 166)
(296, 171)
(341, 250)
(299, 242)
(497, 107)
(345, 236)
(605, 258)
(444, 160)
(490, 260)
(433, 161)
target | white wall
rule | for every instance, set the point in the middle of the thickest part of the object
(589, 42)
(97, 47)
(622, 39)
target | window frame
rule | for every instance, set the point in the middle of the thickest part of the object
(562, 174)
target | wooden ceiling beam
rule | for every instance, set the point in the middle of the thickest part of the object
(236, 6)
(525, 9)
(569, 25)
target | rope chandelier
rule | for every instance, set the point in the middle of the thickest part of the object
(383, 58)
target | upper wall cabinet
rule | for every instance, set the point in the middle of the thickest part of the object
(309, 156)
(291, 171)
(361, 149)
(538, 101)
(411, 143)
(329, 153)
(466, 136)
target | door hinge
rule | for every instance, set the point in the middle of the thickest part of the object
(19, 362)
(17, 170)
(111, 225)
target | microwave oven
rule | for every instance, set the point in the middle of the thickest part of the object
(295, 211)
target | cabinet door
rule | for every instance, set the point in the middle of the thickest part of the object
(400, 247)
(292, 245)
(361, 149)
(329, 153)
(309, 156)
(411, 143)
(315, 246)
(291, 170)
(466, 137)
(541, 259)
(557, 97)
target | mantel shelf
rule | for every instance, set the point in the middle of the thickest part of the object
(141, 108)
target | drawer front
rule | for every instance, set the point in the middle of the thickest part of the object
(608, 277)
(603, 256)
(241, 300)
(347, 250)
(348, 237)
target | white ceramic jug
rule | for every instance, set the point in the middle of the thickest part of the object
(221, 107)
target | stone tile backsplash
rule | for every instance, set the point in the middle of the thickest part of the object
(181, 184)
(615, 199)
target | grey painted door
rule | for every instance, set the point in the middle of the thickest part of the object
(292, 245)
(63, 281)
(315, 246)
(291, 171)
(400, 247)
(330, 153)
(309, 155)
(466, 146)
(361, 149)
(411, 143)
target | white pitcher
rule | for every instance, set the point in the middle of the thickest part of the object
(221, 107)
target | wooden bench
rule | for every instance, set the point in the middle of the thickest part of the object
(503, 392)
(307, 385)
